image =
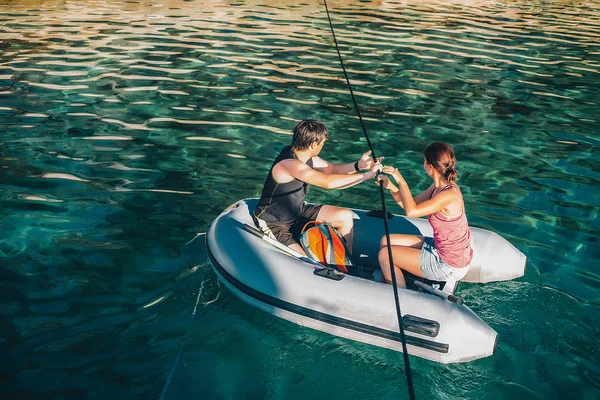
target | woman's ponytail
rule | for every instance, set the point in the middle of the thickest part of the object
(441, 157)
(451, 175)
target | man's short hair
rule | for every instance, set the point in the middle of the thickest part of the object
(308, 132)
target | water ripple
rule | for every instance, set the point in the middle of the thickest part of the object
(128, 126)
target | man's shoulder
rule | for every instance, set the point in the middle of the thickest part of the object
(289, 163)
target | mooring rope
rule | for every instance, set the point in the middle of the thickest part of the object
(183, 341)
(411, 390)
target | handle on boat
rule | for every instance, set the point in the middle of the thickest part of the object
(450, 297)
(253, 231)
(455, 299)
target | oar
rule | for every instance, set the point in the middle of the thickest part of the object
(435, 291)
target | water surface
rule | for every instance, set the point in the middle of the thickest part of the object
(127, 127)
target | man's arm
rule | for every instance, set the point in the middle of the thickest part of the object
(287, 170)
(339, 168)
(365, 162)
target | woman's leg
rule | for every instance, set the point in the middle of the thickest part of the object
(397, 239)
(405, 258)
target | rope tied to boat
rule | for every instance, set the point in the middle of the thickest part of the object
(411, 390)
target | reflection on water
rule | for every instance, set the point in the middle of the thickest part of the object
(128, 126)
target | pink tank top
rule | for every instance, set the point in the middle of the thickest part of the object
(452, 237)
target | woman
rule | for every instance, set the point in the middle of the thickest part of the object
(446, 255)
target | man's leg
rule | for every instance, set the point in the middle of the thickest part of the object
(341, 219)
(297, 248)
(280, 232)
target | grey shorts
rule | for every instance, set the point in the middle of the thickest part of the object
(434, 268)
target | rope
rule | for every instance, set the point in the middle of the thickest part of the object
(185, 338)
(411, 389)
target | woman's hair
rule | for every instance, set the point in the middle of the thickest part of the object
(308, 132)
(441, 157)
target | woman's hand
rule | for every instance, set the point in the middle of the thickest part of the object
(366, 161)
(386, 182)
(394, 173)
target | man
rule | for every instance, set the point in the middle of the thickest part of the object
(281, 211)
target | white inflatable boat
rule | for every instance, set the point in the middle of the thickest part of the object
(266, 276)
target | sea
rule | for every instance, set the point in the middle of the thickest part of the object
(127, 127)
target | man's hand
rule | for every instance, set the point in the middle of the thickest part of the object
(366, 161)
(373, 171)
(376, 168)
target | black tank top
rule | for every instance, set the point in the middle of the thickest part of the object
(282, 202)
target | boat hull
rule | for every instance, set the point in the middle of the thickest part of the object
(354, 308)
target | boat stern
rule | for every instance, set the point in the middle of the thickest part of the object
(494, 259)
(468, 336)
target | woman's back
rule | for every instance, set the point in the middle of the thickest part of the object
(451, 234)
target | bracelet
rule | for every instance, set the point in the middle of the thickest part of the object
(356, 167)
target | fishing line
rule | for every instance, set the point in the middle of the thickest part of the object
(411, 389)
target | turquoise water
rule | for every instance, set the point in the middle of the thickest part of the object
(127, 127)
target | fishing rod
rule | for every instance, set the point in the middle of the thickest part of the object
(411, 389)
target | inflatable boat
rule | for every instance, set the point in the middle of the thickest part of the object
(437, 327)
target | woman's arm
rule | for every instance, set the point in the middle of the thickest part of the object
(427, 207)
(405, 199)
(395, 191)
(426, 195)
(391, 187)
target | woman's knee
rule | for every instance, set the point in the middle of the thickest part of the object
(383, 242)
(383, 256)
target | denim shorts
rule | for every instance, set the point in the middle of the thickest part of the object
(434, 268)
